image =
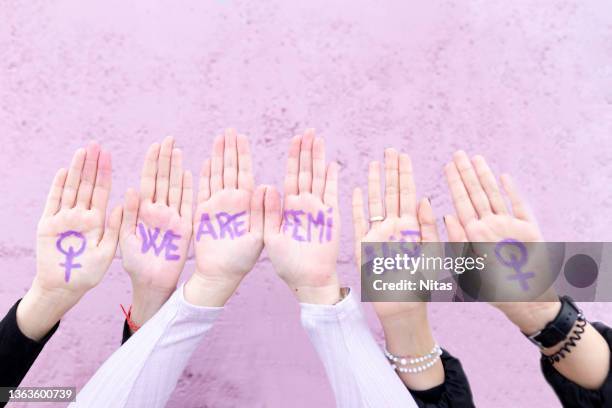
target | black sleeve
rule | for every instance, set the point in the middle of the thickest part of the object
(573, 395)
(17, 352)
(127, 333)
(455, 392)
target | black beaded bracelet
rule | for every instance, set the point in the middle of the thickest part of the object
(575, 336)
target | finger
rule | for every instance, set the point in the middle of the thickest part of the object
(391, 182)
(245, 167)
(204, 188)
(71, 185)
(487, 180)
(149, 172)
(360, 224)
(477, 195)
(318, 167)
(293, 165)
(461, 199)
(216, 165)
(330, 197)
(88, 176)
(176, 179)
(230, 160)
(187, 196)
(427, 222)
(408, 205)
(375, 207)
(109, 240)
(55, 193)
(454, 229)
(257, 211)
(101, 191)
(272, 212)
(130, 213)
(519, 209)
(163, 171)
(305, 175)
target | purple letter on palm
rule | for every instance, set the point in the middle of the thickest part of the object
(69, 251)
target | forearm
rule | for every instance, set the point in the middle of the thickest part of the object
(144, 371)
(588, 362)
(39, 310)
(354, 363)
(409, 334)
(208, 291)
(146, 302)
(17, 351)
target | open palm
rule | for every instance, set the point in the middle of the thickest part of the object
(302, 238)
(484, 220)
(228, 222)
(399, 219)
(481, 209)
(73, 247)
(156, 228)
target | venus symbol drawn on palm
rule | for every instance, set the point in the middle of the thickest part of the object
(70, 252)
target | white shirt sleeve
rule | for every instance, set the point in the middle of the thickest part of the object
(357, 369)
(145, 370)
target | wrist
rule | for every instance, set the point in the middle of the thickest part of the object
(408, 333)
(531, 317)
(318, 295)
(146, 302)
(41, 309)
(202, 290)
(407, 320)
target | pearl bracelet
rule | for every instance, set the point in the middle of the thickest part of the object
(435, 351)
(416, 369)
(397, 362)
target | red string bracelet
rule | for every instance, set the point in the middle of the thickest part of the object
(128, 317)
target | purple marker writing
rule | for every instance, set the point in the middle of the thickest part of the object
(298, 222)
(70, 252)
(329, 224)
(292, 219)
(414, 236)
(206, 227)
(170, 236)
(230, 225)
(316, 222)
(150, 238)
(515, 262)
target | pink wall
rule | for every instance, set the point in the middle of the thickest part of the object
(528, 84)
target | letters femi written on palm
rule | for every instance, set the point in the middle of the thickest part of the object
(228, 222)
(302, 238)
(156, 228)
(518, 266)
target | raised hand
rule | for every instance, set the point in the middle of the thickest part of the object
(482, 216)
(406, 326)
(302, 237)
(156, 229)
(228, 222)
(399, 219)
(73, 247)
(481, 208)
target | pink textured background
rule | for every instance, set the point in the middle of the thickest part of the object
(526, 83)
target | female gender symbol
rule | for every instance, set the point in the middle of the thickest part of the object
(515, 262)
(70, 252)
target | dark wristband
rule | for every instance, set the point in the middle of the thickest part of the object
(557, 330)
